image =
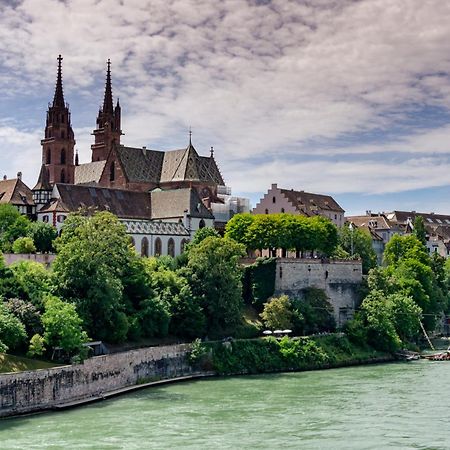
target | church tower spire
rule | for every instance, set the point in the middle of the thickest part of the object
(108, 132)
(59, 142)
(58, 99)
(108, 99)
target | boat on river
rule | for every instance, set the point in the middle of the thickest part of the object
(442, 356)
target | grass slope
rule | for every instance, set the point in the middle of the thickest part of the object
(11, 363)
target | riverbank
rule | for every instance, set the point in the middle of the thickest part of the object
(269, 355)
(103, 377)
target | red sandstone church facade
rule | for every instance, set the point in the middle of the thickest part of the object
(162, 197)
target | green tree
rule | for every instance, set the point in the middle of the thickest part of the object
(214, 275)
(43, 235)
(12, 330)
(23, 245)
(264, 232)
(37, 346)
(201, 234)
(27, 313)
(62, 325)
(91, 265)
(172, 289)
(362, 246)
(12, 226)
(419, 230)
(401, 247)
(277, 313)
(313, 313)
(32, 281)
(237, 228)
(381, 330)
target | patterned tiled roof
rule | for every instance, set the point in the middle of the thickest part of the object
(89, 172)
(173, 203)
(141, 164)
(308, 203)
(145, 165)
(124, 204)
(157, 228)
(15, 192)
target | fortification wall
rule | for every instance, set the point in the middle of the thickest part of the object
(340, 280)
(46, 388)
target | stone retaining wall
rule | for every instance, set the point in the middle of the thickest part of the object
(46, 388)
(43, 258)
(340, 280)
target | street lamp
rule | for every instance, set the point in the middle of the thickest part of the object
(350, 227)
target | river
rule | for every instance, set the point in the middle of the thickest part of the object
(400, 406)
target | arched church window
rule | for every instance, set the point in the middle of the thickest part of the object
(49, 157)
(266, 211)
(112, 171)
(63, 156)
(183, 244)
(171, 248)
(201, 224)
(144, 247)
(63, 176)
(158, 247)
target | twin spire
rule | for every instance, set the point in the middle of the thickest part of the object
(58, 99)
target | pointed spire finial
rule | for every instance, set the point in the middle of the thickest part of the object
(108, 100)
(190, 136)
(77, 163)
(212, 151)
(58, 99)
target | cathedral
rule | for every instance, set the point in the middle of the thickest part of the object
(162, 197)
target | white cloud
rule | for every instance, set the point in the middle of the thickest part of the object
(255, 81)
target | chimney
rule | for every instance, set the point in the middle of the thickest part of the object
(274, 186)
(19, 175)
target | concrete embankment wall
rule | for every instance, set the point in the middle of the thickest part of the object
(340, 280)
(47, 388)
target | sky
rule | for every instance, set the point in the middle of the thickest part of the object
(347, 98)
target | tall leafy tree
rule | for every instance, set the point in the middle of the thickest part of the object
(214, 275)
(93, 254)
(43, 235)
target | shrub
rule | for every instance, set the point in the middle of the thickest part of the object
(23, 245)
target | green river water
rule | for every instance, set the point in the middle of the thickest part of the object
(400, 406)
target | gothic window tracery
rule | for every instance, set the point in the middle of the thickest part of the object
(171, 248)
(158, 247)
(144, 247)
